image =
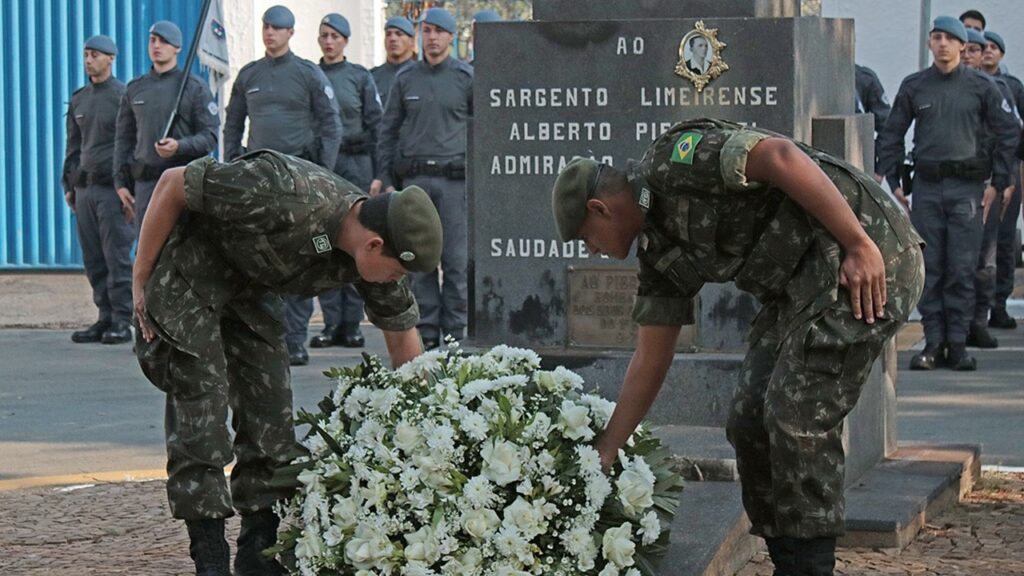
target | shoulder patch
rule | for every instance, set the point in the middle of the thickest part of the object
(329, 91)
(682, 151)
(1006, 107)
(212, 108)
(322, 244)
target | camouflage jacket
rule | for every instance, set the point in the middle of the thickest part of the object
(257, 227)
(706, 223)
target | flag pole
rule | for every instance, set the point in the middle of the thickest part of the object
(188, 67)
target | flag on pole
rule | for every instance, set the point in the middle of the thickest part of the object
(213, 46)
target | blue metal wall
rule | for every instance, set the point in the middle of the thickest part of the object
(41, 65)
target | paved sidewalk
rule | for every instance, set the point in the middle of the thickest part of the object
(125, 528)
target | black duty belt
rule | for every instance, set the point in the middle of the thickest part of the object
(451, 169)
(970, 169)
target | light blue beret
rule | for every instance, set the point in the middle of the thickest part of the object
(950, 26)
(279, 17)
(441, 18)
(101, 43)
(167, 30)
(339, 23)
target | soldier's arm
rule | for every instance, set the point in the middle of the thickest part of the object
(373, 112)
(165, 207)
(205, 120)
(890, 140)
(124, 142)
(392, 307)
(325, 110)
(780, 162)
(402, 346)
(390, 125)
(1003, 127)
(655, 348)
(234, 122)
(72, 156)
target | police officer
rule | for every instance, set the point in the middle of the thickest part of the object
(985, 275)
(1006, 259)
(291, 109)
(141, 153)
(950, 104)
(360, 108)
(481, 17)
(400, 45)
(211, 329)
(871, 99)
(103, 231)
(423, 143)
(712, 201)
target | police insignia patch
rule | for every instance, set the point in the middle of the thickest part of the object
(212, 108)
(322, 244)
(1006, 107)
(645, 198)
(330, 92)
(682, 152)
(407, 256)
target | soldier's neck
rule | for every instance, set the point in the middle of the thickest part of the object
(336, 60)
(991, 70)
(279, 52)
(100, 79)
(160, 68)
(947, 67)
(400, 59)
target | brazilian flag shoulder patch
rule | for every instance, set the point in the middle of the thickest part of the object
(682, 152)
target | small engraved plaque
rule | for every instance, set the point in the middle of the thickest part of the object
(601, 309)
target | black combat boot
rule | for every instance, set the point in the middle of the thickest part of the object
(979, 337)
(350, 336)
(782, 554)
(814, 556)
(91, 334)
(297, 355)
(998, 318)
(118, 333)
(259, 532)
(958, 359)
(932, 356)
(325, 338)
(208, 548)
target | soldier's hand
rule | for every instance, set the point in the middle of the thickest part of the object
(608, 454)
(69, 199)
(898, 193)
(879, 178)
(139, 303)
(127, 203)
(390, 189)
(863, 274)
(1007, 197)
(375, 187)
(987, 198)
(167, 147)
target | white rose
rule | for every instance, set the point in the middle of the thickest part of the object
(471, 559)
(343, 513)
(523, 516)
(609, 570)
(632, 572)
(617, 545)
(574, 421)
(506, 570)
(501, 462)
(367, 548)
(309, 545)
(636, 491)
(407, 436)
(333, 536)
(423, 546)
(480, 523)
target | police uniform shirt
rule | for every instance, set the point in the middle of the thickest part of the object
(142, 119)
(358, 102)
(92, 116)
(427, 114)
(871, 96)
(259, 226)
(950, 111)
(705, 222)
(289, 103)
(384, 76)
(1016, 89)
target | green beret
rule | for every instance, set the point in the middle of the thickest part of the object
(573, 187)
(414, 229)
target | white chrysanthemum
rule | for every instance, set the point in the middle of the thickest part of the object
(512, 545)
(600, 408)
(472, 424)
(476, 389)
(422, 364)
(441, 438)
(410, 478)
(354, 403)
(589, 460)
(650, 528)
(598, 489)
(479, 493)
(513, 382)
(539, 427)
(580, 545)
(382, 401)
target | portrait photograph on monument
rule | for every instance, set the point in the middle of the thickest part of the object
(511, 288)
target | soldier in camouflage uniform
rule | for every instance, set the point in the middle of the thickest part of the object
(834, 262)
(211, 321)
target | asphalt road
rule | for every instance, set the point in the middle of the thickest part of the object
(79, 409)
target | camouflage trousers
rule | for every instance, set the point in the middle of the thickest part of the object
(240, 370)
(797, 385)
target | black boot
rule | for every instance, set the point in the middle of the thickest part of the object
(350, 336)
(814, 556)
(998, 318)
(325, 338)
(979, 337)
(783, 556)
(259, 532)
(118, 333)
(929, 358)
(208, 548)
(958, 359)
(91, 334)
(297, 355)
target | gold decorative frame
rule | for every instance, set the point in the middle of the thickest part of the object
(715, 66)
